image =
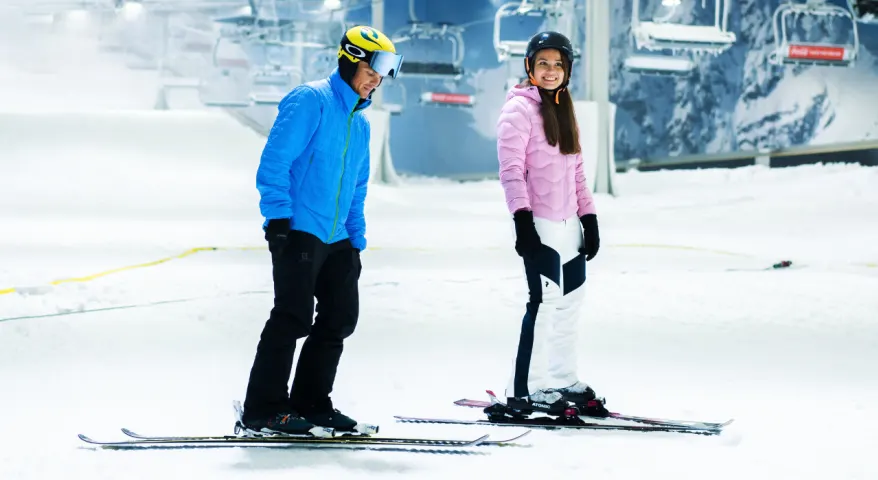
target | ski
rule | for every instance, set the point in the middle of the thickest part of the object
(289, 442)
(317, 436)
(341, 438)
(696, 424)
(552, 423)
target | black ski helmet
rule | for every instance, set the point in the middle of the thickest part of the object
(544, 40)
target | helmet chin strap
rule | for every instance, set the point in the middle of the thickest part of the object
(534, 81)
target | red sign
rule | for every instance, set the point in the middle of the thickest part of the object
(816, 52)
(455, 98)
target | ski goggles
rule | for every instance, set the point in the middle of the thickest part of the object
(386, 63)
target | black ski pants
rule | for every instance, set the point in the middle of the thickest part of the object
(305, 269)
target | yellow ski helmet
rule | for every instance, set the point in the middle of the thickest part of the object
(362, 43)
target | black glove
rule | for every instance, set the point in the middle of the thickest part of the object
(527, 240)
(591, 238)
(277, 232)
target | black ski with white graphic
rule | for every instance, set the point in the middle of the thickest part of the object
(316, 437)
(498, 406)
(552, 423)
(410, 444)
(342, 438)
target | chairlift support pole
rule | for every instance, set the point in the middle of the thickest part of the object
(378, 24)
(162, 99)
(298, 53)
(596, 75)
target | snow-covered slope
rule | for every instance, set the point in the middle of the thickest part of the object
(682, 318)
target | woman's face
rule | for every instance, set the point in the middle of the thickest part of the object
(549, 69)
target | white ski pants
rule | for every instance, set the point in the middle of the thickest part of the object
(546, 356)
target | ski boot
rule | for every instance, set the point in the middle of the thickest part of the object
(583, 399)
(283, 423)
(322, 413)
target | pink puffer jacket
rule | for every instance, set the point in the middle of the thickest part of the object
(535, 175)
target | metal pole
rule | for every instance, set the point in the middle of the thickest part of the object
(162, 100)
(163, 41)
(298, 53)
(378, 24)
(597, 87)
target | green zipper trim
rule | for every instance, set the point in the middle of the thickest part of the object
(344, 154)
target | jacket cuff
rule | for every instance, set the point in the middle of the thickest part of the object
(359, 243)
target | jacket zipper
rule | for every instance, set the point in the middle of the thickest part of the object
(344, 154)
(567, 185)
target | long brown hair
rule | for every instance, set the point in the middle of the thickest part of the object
(559, 119)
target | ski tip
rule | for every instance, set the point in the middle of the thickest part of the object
(129, 433)
(479, 440)
(511, 439)
(726, 423)
(85, 438)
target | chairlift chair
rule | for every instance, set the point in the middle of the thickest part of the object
(865, 11)
(271, 83)
(225, 63)
(659, 65)
(660, 34)
(225, 90)
(253, 18)
(417, 30)
(787, 52)
(212, 98)
(550, 9)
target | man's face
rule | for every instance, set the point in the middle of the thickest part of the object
(365, 80)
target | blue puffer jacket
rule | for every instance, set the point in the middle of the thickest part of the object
(314, 168)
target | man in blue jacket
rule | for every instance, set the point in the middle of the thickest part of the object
(312, 179)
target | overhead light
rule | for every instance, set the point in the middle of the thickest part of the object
(132, 10)
(332, 4)
(78, 18)
(671, 3)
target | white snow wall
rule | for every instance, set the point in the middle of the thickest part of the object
(587, 117)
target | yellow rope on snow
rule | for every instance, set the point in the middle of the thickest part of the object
(88, 278)
(195, 250)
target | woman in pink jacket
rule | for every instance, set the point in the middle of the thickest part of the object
(542, 176)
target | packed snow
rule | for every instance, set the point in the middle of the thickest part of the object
(684, 316)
